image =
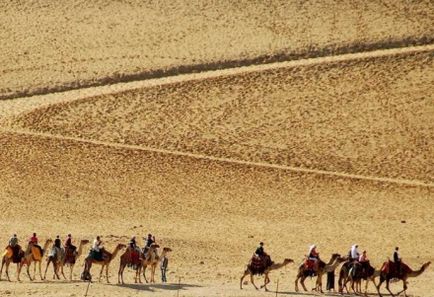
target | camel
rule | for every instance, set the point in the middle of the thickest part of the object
(351, 272)
(152, 259)
(8, 258)
(126, 259)
(72, 260)
(250, 271)
(33, 254)
(323, 267)
(107, 258)
(389, 271)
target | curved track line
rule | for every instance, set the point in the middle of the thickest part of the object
(225, 160)
(23, 104)
(230, 69)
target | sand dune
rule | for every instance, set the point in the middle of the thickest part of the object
(289, 122)
(48, 46)
(205, 209)
(329, 116)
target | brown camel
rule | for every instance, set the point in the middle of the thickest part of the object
(353, 272)
(323, 267)
(127, 259)
(105, 262)
(250, 270)
(151, 259)
(389, 271)
(72, 259)
(33, 254)
(8, 258)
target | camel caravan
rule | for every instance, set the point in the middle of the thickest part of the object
(67, 255)
(355, 268)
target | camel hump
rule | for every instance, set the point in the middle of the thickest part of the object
(36, 253)
(8, 253)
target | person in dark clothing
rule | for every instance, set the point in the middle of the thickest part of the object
(397, 260)
(150, 240)
(58, 242)
(330, 281)
(163, 266)
(260, 250)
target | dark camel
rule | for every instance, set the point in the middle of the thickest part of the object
(389, 271)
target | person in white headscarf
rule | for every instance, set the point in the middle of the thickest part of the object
(355, 252)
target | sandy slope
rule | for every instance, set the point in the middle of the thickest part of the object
(206, 210)
(330, 115)
(52, 45)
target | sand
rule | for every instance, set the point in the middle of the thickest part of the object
(324, 147)
(52, 45)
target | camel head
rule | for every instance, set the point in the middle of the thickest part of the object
(288, 261)
(154, 246)
(342, 259)
(426, 265)
(49, 241)
(84, 241)
(167, 249)
(121, 246)
(335, 256)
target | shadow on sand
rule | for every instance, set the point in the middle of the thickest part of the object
(152, 287)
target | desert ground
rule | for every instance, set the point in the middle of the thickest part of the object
(214, 126)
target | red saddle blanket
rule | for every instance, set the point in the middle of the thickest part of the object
(391, 268)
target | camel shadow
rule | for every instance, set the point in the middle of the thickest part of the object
(152, 287)
(325, 294)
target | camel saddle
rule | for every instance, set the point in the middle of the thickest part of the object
(258, 264)
(70, 254)
(391, 268)
(134, 256)
(17, 254)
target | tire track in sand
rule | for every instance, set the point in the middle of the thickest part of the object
(13, 107)
(223, 160)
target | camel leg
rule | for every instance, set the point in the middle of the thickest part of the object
(40, 270)
(61, 270)
(296, 283)
(120, 274)
(46, 268)
(100, 273)
(253, 282)
(71, 268)
(404, 288)
(56, 270)
(266, 281)
(144, 273)
(387, 287)
(28, 272)
(106, 273)
(1, 269)
(7, 270)
(246, 272)
(319, 283)
(302, 283)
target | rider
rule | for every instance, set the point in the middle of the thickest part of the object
(13, 244)
(34, 241)
(149, 241)
(354, 253)
(260, 250)
(363, 258)
(97, 248)
(397, 259)
(313, 256)
(68, 244)
(13, 241)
